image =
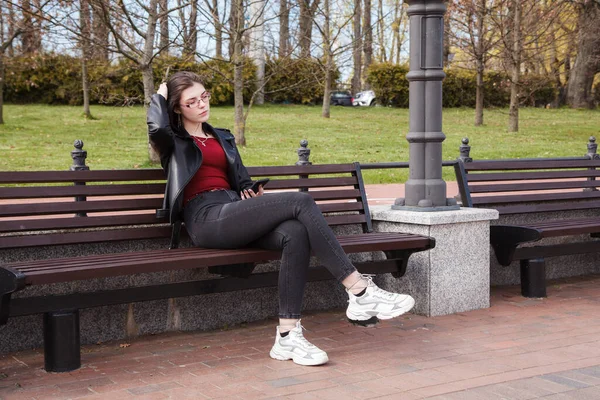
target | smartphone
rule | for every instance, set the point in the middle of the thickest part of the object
(260, 182)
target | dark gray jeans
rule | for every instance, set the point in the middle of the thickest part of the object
(290, 222)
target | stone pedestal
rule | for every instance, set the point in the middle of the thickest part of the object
(455, 275)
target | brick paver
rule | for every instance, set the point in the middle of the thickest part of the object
(517, 349)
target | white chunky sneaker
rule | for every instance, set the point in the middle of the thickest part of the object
(295, 347)
(376, 303)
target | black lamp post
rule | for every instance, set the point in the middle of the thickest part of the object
(425, 188)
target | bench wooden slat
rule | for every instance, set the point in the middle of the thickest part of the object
(321, 169)
(310, 183)
(529, 175)
(345, 219)
(72, 207)
(380, 239)
(335, 194)
(108, 235)
(523, 198)
(341, 207)
(36, 192)
(24, 225)
(507, 165)
(547, 207)
(529, 186)
(13, 177)
(59, 270)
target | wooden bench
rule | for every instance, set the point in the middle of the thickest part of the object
(535, 186)
(59, 208)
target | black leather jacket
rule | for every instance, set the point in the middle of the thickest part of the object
(181, 158)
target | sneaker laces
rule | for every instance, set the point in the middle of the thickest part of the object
(377, 289)
(302, 339)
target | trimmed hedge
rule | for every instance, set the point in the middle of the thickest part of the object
(391, 87)
(56, 79)
(298, 81)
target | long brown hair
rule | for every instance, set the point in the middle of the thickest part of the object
(176, 84)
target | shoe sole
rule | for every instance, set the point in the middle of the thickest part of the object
(361, 318)
(296, 359)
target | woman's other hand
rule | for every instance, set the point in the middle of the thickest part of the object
(247, 193)
(162, 90)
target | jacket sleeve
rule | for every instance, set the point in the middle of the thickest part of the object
(159, 127)
(243, 177)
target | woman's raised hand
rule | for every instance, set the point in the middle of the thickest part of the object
(163, 91)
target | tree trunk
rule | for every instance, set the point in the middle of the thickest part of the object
(307, 12)
(381, 33)
(146, 66)
(86, 89)
(284, 28)
(27, 38)
(2, 88)
(587, 62)
(368, 44)
(357, 47)
(100, 33)
(238, 78)
(326, 110)
(10, 29)
(190, 39)
(214, 12)
(513, 112)
(479, 95)
(85, 24)
(257, 44)
(480, 14)
(164, 27)
(447, 34)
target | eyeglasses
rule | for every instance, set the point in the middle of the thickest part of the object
(205, 97)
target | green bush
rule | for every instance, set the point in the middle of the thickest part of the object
(298, 81)
(460, 87)
(389, 83)
(56, 79)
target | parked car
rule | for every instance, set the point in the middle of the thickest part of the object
(341, 98)
(366, 98)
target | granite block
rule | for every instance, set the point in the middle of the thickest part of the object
(453, 276)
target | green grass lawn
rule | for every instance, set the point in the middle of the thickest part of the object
(40, 137)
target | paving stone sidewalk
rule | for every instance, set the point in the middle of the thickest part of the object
(517, 349)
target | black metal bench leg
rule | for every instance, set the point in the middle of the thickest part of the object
(533, 278)
(61, 341)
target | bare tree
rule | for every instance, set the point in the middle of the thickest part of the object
(368, 39)
(6, 43)
(189, 28)
(515, 9)
(476, 37)
(587, 62)
(31, 39)
(357, 48)
(135, 43)
(84, 42)
(213, 7)
(99, 45)
(163, 7)
(284, 28)
(332, 26)
(307, 13)
(381, 29)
